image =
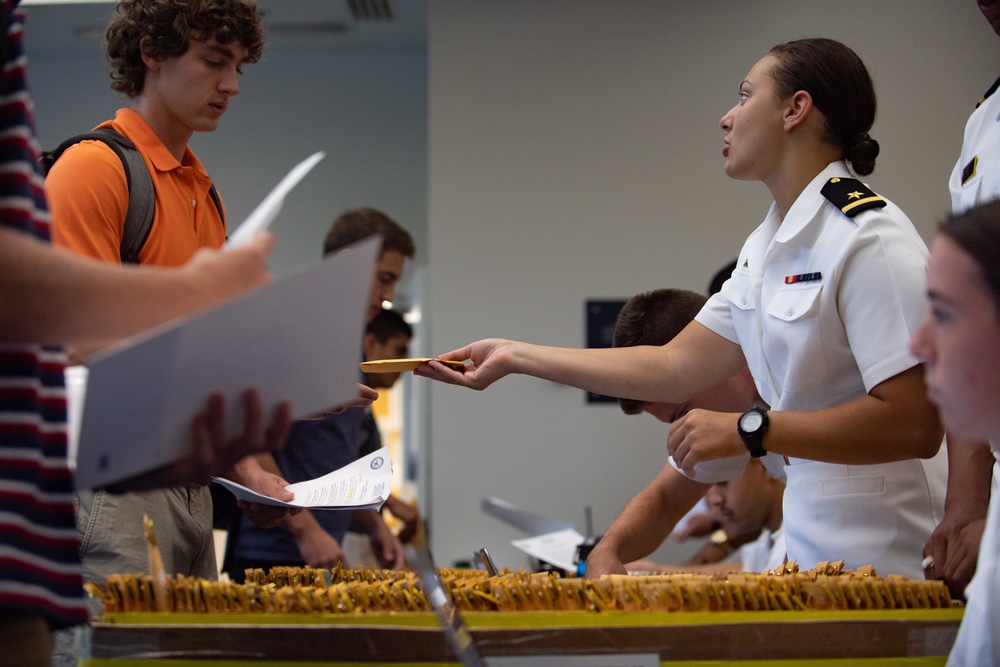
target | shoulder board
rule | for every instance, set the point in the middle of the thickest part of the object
(993, 89)
(851, 195)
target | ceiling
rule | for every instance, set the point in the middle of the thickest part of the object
(71, 26)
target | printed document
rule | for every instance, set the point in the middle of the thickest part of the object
(361, 485)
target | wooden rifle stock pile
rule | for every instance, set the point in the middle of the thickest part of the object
(359, 591)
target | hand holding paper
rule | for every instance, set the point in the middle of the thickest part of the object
(363, 484)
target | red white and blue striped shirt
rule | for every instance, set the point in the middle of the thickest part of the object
(40, 570)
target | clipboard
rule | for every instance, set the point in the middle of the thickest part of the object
(296, 339)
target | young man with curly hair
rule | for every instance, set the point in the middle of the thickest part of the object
(179, 62)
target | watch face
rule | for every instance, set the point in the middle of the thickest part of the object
(751, 421)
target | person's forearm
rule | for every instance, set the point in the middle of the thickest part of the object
(894, 422)
(51, 296)
(393, 502)
(243, 469)
(264, 461)
(696, 360)
(364, 521)
(970, 472)
(651, 514)
(301, 524)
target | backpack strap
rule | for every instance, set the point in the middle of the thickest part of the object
(141, 195)
(214, 194)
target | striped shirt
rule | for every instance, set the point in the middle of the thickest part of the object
(40, 570)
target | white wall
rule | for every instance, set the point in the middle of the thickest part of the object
(575, 153)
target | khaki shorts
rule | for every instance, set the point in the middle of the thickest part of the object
(112, 532)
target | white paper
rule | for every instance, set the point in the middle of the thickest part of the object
(362, 484)
(296, 339)
(558, 548)
(261, 217)
(76, 391)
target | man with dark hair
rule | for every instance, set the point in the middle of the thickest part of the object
(319, 446)
(655, 318)
(387, 337)
(749, 506)
(397, 246)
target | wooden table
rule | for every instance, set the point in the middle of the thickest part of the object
(910, 637)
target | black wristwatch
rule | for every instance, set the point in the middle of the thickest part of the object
(752, 426)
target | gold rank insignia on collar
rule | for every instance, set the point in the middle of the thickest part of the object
(970, 169)
(851, 196)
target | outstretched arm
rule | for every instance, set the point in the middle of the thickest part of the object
(695, 360)
(645, 522)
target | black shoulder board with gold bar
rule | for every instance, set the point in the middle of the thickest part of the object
(851, 195)
(993, 89)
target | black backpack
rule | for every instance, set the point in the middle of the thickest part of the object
(141, 195)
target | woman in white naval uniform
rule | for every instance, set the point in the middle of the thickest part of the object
(959, 341)
(821, 306)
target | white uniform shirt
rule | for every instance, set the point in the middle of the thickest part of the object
(976, 177)
(765, 553)
(823, 341)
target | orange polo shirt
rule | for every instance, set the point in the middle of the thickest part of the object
(88, 197)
